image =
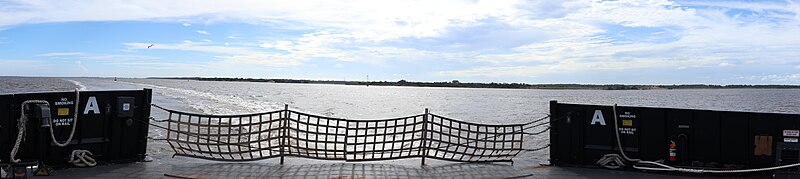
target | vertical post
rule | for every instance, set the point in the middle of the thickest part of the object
(283, 129)
(423, 145)
(43, 142)
(554, 152)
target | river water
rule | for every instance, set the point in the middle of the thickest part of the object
(491, 106)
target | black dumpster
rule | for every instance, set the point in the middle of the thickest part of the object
(112, 125)
(688, 138)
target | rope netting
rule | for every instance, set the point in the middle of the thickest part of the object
(385, 139)
(291, 133)
(450, 139)
(226, 137)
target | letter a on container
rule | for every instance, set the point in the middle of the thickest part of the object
(598, 117)
(91, 105)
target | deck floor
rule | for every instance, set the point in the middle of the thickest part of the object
(194, 168)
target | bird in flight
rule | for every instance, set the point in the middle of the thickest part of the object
(151, 45)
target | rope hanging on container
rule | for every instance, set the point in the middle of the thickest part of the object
(74, 123)
(23, 120)
(21, 123)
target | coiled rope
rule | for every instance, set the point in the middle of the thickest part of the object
(82, 158)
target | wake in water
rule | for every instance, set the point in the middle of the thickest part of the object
(80, 85)
(211, 103)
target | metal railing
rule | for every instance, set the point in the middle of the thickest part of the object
(287, 132)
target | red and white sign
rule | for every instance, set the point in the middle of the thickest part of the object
(791, 133)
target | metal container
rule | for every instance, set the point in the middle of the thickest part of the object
(112, 125)
(703, 139)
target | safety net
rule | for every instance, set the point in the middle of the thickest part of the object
(287, 133)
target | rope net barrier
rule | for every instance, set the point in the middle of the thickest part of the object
(290, 133)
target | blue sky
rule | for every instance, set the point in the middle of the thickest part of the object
(593, 42)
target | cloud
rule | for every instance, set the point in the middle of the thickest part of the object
(78, 56)
(10, 67)
(191, 46)
(572, 66)
(59, 54)
(186, 24)
(779, 78)
(227, 56)
(83, 68)
(495, 39)
(261, 59)
(652, 13)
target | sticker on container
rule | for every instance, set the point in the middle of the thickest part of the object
(63, 111)
(792, 140)
(627, 123)
(791, 133)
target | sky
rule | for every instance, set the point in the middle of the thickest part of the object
(538, 42)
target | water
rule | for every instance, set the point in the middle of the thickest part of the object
(10, 85)
(495, 106)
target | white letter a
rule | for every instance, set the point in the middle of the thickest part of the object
(91, 105)
(598, 117)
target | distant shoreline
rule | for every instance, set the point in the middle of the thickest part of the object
(457, 84)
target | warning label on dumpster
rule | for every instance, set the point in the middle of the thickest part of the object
(62, 122)
(791, 133)
(625, 130)
(627, 118)
(65, 107)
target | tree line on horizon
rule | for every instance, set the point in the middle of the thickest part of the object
(458, 84)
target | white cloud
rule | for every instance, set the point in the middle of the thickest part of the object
(59, 54)
(9, 67)
(83, 68)
(797, 67)
(78, 56)
(570, 36)
(186, 24)
(571, 66)
(776, 78)
(231, 56)
(386, 19)
(648, 13)
(191, 46)
(260, 59)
